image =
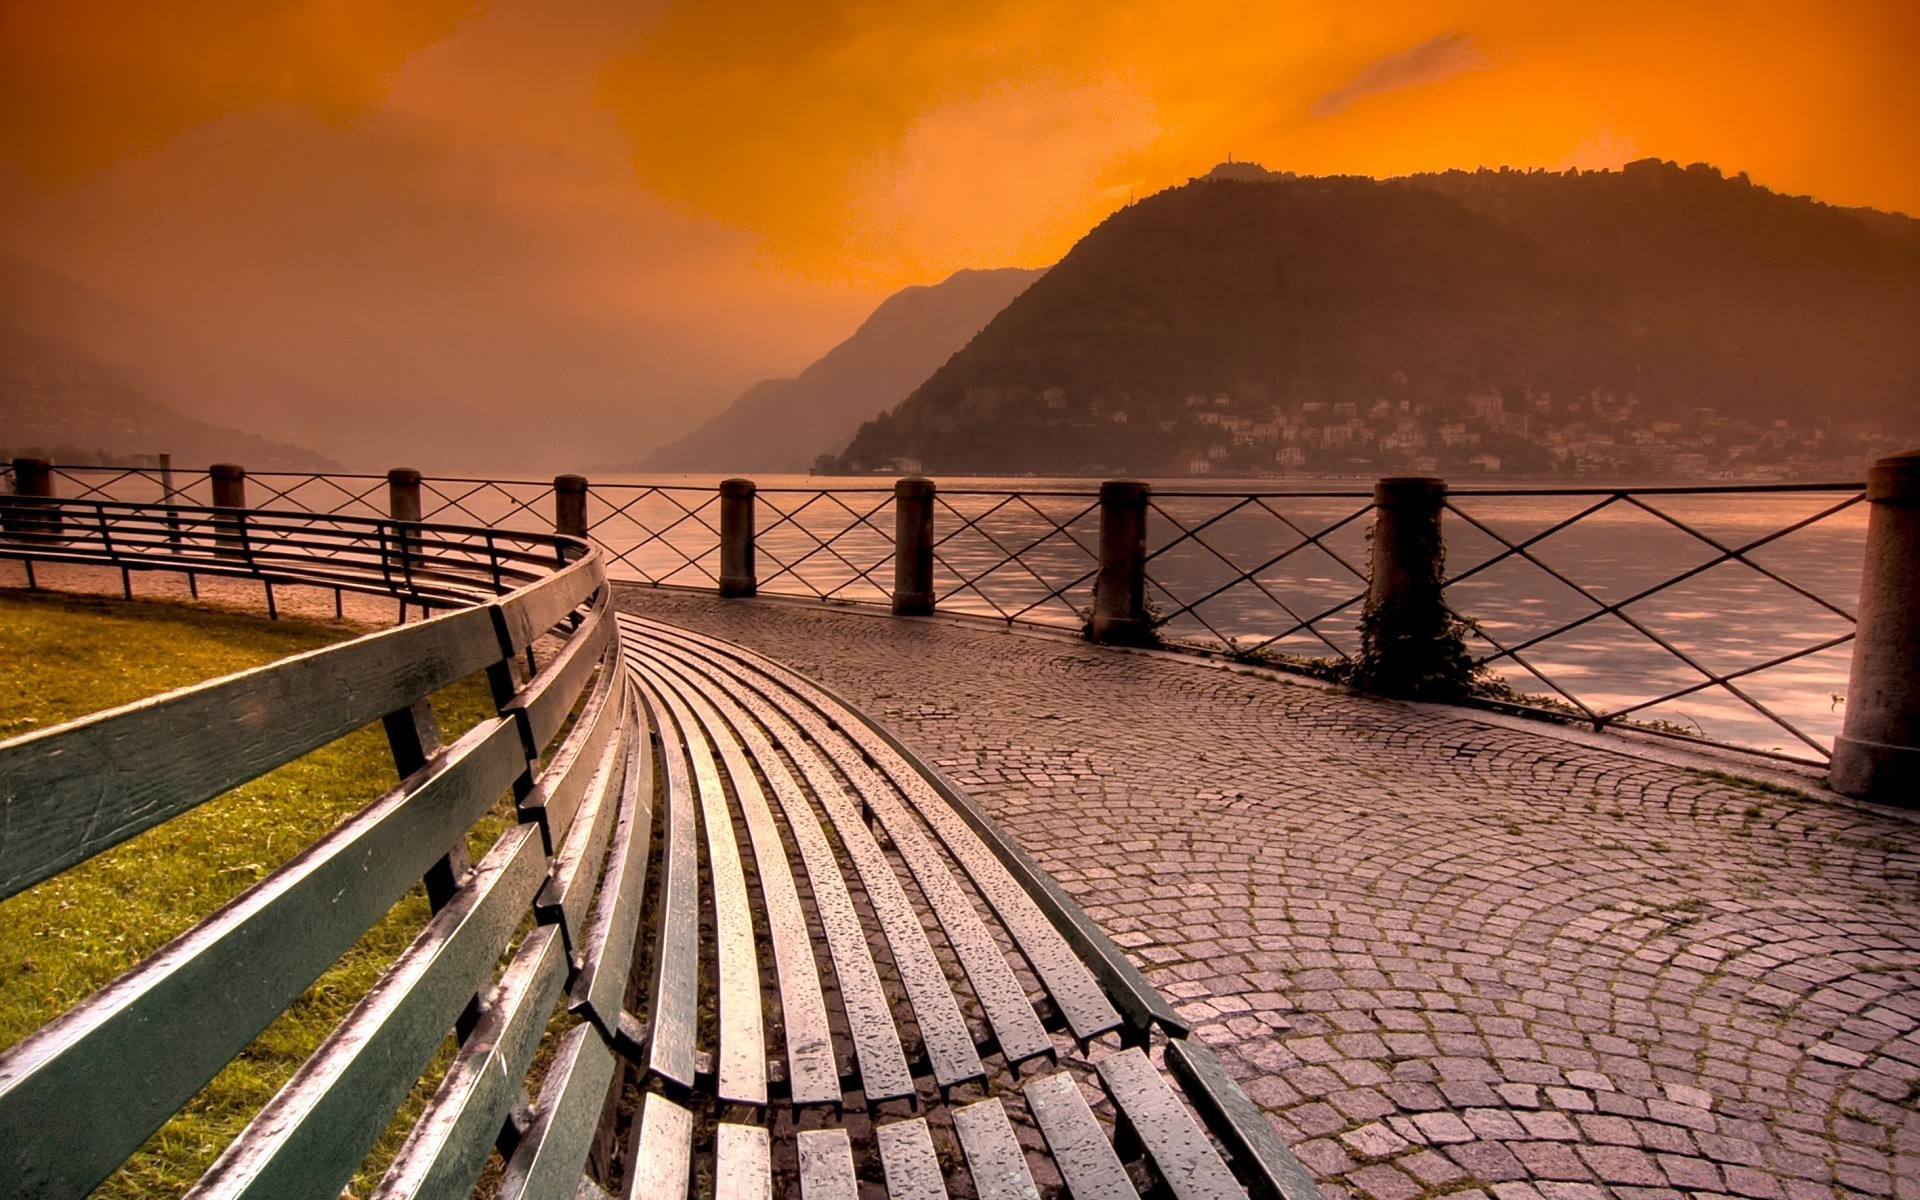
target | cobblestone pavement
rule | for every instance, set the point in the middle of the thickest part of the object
(1446, 956)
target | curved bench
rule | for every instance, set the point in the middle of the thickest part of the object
(887, 977)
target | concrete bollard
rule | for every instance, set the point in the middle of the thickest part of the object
(229, 491)
(1120, 589)
(913, 547)
(737, 577)
(26, 519)
(570, 505)
(1410, 643)
(403, 494)
(1877, 755)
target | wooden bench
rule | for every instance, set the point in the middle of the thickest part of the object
(851, 973)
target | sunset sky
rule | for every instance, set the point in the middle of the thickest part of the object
(633, 211)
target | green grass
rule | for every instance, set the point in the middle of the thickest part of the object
(62, 657)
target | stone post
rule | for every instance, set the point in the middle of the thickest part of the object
(737, 577)
(403, 494)
(229, 491)
(1877, 755)
(913, 547)
(27, 519)
(570, 505)
(1410, 643)
(1120, 588)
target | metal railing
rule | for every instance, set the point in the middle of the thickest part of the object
(1723, 613)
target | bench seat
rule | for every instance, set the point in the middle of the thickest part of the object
(853, 983)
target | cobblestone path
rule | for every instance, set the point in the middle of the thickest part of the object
(1444, 955)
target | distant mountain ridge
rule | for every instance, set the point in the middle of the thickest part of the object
(1260, 322)
(782, 425)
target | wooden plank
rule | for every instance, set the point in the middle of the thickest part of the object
(876, 1040)
(741, 1075)
(662, 1150)
(949, 1045)
(994, 1157)
(812, 1075)
(1235, 1121)
(743, 1163)
(826, 1166)
(1015, 1025)
(548, 1162)
(526, 614)
(676, 964)
(913, 1169)
(120, 1062)
(549, 696)
(1080, 1147)
(1179, 1148)
(1027, 901)
(70, 792)
(608, 947)
(450, 1144)
(312, 1136)
(565, 898)
(557, 792)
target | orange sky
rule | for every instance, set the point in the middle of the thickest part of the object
(637, 210)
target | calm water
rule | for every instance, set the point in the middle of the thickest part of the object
(1285, 572)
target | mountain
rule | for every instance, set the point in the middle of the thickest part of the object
(1656, 318)
(62, 404)
(781, 425)
(377, 409)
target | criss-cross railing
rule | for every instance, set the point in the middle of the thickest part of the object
(1722, 612)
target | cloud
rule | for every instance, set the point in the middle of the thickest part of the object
(1429, 62)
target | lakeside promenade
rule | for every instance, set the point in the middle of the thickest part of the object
(1444, 952)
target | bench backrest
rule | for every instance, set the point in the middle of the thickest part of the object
(81, 1094)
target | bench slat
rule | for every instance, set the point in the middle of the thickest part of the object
(662, 1150)
(1179, 1148)
(531, 611)
(70, 792)
(119, 1063)
(557, 793)
(883, 1066)
(676, 965)
(994, 1157)
(312, 1135)
(743, 1163)
(1238, 1123)
(913, 1169)
(742, 1066)
(1080, 1148)
(950, 1049)
(450, 1143)
(549, 696)
(812, 1073)
(607, 950)
(826, 1166)
(547, 1163)
(1015, 1024)
(563, 900)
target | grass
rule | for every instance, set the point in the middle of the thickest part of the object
(62, 657)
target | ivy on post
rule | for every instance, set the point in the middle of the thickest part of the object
(1411, 645)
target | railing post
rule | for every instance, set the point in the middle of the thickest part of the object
(1120, 589)
(31, 521)
(403, 494)
(167, 497)
(737, 578)
(570, 505)
(1877, 755)
(913, 547)
(1410, 643)
(229, 491)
